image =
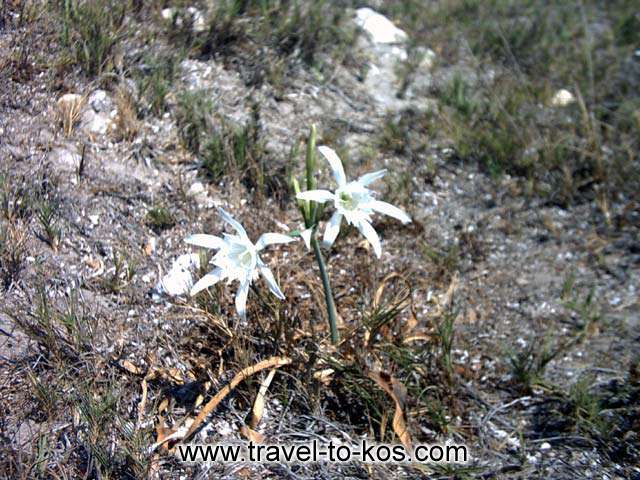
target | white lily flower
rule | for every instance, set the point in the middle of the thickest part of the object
(353, 201)
(237, 259)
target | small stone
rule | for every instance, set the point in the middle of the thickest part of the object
(545, 446)
(94, 219)
(167, 13)
(428, 58)
(562, 98)
(100, 101)
(195, 189)
(96, 123)
(64, 156)
(199, 23)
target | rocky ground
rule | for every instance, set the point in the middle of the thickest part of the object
(101, 350)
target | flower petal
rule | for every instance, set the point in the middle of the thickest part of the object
(319, 196)
(335, 163)
(306, 236)
(241, 298)
(372, 237)
(209, 279)
(332, 230)
(388, 209)
(206, 241)
(271, 238)
(233, 222)
(371, 177)
(271, 281)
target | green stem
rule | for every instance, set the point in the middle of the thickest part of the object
(328, 296)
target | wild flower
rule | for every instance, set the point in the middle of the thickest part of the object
(237, 259)
(353, 201)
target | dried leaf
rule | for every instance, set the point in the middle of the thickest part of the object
(163, 433)
(150, 246)
(95, 264)
(398, 393)
(166, 435)
(258, 405)
(324, 376)
(420, 337)
(251, 435)
(143, 401)
(447, 300)
(274, 362)
(173, 374)
(164, 404)
(130, 367)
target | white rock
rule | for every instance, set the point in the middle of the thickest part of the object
(100, 101)
(179, 279)
(195, 189)
(199, 24)
(384, 45)
(562, 98)
(167, 13)
(96, 123)
(94, 219)
(379, 28)
(545, 446)
(513, 442)
(500, 433)
(65, 156)
(428, 58)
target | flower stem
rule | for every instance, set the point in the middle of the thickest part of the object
(328, 296)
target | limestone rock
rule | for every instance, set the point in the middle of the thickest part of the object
(378, 28)
(385, 45)
(100, 101)
(179, 280)
(96, 123)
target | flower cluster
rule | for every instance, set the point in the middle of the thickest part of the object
(237, 258)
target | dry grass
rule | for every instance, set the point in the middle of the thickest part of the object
(127, 124)
(69, 109)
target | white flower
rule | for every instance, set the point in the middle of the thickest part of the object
(237, 259)
(353, 201)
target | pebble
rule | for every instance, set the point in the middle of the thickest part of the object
(562, 98)
(195, 189)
